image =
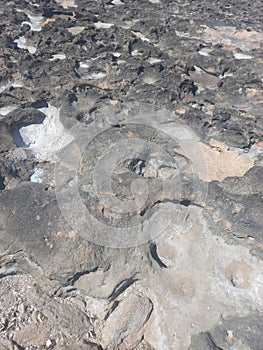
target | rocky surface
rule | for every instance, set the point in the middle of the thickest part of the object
(131, 164)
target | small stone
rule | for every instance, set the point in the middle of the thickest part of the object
(48, 343)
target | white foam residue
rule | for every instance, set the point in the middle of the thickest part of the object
(47, 138)
(21, 43)
(37, 176)
(58, 56)
(242, 56)
(103, 25)
(7, 109)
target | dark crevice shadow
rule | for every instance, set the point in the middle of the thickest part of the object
(154, 254)
(2, 183)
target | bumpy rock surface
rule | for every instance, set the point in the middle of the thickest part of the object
(131, 175)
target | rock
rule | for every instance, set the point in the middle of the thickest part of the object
(242, 333)
(131, 157)
(8, 345)
(129, 317)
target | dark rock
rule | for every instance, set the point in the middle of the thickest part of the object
(239, 332)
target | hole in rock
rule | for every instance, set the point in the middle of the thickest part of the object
(185, 202)
(137, 165)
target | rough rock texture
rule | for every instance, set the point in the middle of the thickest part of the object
(131, 175)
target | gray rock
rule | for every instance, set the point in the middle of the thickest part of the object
(127, 319)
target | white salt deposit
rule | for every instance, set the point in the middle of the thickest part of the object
(136, 53)
(66, 3)
(87, 63)
(140, 36)
(75, 30)
(7, 109)
(203, 53)
(84, 71)
(117, 54)
(95, 76)
(47, 138)
(15, 84)
(21, 43)
(242, 56)
(35, 22)
(33, 4)
(58, 56)
(153, 60)
(37, 176)
(117, 2)
(103, 25)
(84, 64)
